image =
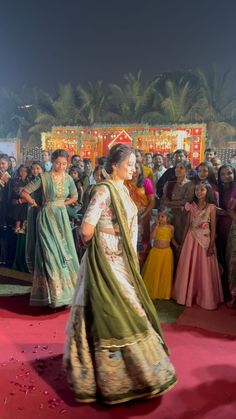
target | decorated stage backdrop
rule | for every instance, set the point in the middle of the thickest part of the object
(95, 142)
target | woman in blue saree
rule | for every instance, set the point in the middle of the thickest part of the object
(56, 264)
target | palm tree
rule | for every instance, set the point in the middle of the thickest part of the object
(135, 102)
(213, 98)
(93, 104)
(9, 103)
(62, 110)
(19, 113)
(65, 106)
(45, 116)
(179, 102)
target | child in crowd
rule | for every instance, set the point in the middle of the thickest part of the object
(197, 277)
(205, 172)
(158, 270)
(36, 169)
(18, 208)
(73, 172)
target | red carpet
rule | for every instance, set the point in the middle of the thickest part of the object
(222, 320)
(33, 386)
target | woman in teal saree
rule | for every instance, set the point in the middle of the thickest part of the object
(56, 264)
(115, 350)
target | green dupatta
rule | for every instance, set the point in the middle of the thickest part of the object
(115, 322)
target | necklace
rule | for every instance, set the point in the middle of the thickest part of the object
(202, 206)
(59, 181)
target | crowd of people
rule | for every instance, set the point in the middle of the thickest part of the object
(193, 252)
(87, 232)
(162, 188)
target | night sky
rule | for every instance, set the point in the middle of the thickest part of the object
(45, 42)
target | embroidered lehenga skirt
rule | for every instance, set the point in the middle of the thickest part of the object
(114, 371)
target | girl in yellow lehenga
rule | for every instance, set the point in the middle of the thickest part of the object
(158, 269)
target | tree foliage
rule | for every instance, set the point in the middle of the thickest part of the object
(177, 97)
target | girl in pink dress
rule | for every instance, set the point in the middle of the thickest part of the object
(197, 277)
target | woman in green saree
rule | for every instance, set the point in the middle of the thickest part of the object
(115, 350)
(56, 264)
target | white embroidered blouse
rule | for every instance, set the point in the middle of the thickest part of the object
(100, 211)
